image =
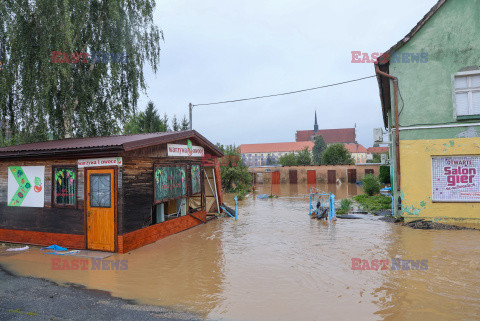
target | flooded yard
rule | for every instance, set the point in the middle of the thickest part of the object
(275, 263)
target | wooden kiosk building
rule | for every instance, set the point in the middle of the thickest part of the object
(113, 193)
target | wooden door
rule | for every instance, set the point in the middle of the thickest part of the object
(311, 177)
(352, 175)
(100, 206)
(332, 176)
(293, 176)
(276, 177)
(369, 171)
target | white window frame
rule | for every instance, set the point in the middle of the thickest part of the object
(469, 91)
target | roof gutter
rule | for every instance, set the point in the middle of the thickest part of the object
(397, 133)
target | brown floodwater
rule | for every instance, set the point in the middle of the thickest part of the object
(275, 263)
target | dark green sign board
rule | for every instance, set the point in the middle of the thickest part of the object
(170, 182)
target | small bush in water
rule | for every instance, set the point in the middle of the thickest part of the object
(371, 185)
(345, 205)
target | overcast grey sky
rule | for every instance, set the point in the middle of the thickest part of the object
(218, 50)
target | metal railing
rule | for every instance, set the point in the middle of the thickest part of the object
(327, 201)
(235, 216)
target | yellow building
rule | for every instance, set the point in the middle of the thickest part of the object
(430, 94)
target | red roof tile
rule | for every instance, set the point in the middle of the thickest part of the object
(355, 148)
(275, 147)
(378, 150)
(331, 136)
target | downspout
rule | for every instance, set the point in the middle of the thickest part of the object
(397, 132)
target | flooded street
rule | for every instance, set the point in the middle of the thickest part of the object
(275, 263)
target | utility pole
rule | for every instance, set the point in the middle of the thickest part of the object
(190, 109)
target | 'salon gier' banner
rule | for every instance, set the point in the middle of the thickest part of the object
(456, 178)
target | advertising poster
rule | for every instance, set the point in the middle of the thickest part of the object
(26, 186)
(456, 179)
(170, 182)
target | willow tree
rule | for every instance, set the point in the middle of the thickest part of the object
(79, 97)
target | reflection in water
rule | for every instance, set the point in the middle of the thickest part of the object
(276, 263)
(341, 191)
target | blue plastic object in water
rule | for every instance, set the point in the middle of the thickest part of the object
(55, 247)
(262, 196)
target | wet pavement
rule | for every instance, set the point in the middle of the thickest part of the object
(276, 263)
(24, 298)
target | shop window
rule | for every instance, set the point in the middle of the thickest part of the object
(170, 183)
(196, 179)
(170, 190)
(467, 94)
(64, 186)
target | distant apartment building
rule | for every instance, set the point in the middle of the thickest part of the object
(358, 152)
(331, 136)
(268, 154)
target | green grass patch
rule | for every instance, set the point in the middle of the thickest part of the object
(374, 203)
(21, 312)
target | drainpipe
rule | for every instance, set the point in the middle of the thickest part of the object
(397, 133)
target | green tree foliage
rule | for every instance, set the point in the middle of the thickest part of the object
(175, 125)
(235, 175)
(220, 146)
(318, 150)
(337, 154)
(289, 159)
(371, 185)
(384, 176)
(304, 157)
(147, 121)
(377, 158)
(185, 123)
(165, 121)
(40, 98)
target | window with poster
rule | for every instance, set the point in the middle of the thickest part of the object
(196, 181)
(64, 191)
(170, 192)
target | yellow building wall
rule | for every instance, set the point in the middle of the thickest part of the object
(416, 181)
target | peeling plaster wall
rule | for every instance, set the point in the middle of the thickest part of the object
(417, 180)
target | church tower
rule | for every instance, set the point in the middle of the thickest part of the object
(315, 126)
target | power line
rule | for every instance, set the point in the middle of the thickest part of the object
(282, 94)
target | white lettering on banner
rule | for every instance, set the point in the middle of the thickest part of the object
(184, 151)
(113, 161)
(456, 179)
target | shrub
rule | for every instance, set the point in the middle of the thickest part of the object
(384, 176)
(371, 185)
(345, 206)
(288, 160)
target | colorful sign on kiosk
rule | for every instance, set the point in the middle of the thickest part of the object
(96, 162)
(26, 186)
(185, 150)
